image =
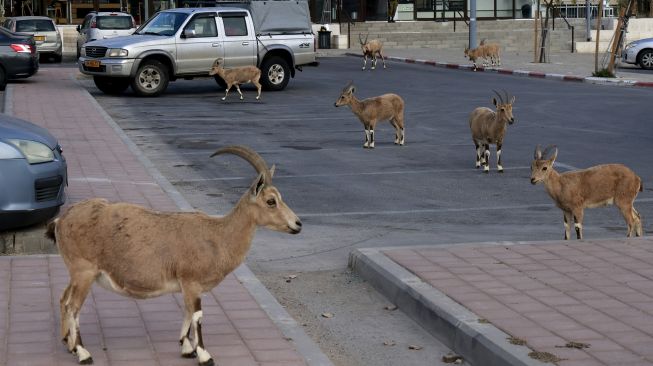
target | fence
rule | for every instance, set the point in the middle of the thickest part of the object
(579, 10)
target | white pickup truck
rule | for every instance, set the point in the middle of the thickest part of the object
(183, 43)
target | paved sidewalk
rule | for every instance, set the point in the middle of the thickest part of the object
(565, 66)
(243, 324)
(597, 294)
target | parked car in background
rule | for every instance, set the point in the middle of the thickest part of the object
(640, 53)
(18, 56)
(49, 42)
(103, 25)
(33, 174)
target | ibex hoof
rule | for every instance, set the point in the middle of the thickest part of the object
(363, 69)
(500, 171)
(225, 98)
(209, 362)
(373, 68)
(241, 98)
(86, 361)
(189, 355)
(257, 98)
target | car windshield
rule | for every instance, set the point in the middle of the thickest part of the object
(35, 25)
(114, 22)
(163, 24)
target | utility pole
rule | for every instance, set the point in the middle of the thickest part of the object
(587, 20)
(472, 24)
(598, 37)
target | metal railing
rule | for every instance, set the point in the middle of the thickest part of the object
(579, 10)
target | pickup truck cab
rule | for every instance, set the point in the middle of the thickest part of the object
(183, 43)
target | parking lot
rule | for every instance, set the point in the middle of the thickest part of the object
(426, 192)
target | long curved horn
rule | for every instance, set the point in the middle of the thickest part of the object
(498, 95)
(507, 96)
(348, 86)
(251, 156)
(360, 39)
(366, 36)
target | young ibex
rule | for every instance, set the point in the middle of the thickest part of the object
(597, 186)
(492, 51)
(372, 110)
(143, 253)
(489, 127)
(237, 76)
(475, 54)
(371, 48)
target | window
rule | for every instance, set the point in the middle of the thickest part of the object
(35, 25)
(114, 22)
(234, 25)
(203, 26)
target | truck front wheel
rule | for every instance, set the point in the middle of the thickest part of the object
(151, 79)
(275, 73)
(111, 86)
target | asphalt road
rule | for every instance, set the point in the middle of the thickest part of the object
(424, 193)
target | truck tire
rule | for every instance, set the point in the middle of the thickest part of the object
(111, 86)
(151, 79)
(275, 73)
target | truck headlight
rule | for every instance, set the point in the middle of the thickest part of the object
(117, 52)
(630, 45)
(35, 152)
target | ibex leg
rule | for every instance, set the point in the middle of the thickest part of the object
(402, 140)
(479, 152)
(628, 212)
(371, 139)
(239, 92)
(638, 223)
(367, 138)
(486, 162)
(71, 304)
(578, 223)
(382, 59)
(499, 166)
(374, 62)
(226, 92)
(567, 217)
(364, 61)
(193, 304)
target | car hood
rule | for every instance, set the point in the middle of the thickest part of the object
(14, 128)
(131, 40)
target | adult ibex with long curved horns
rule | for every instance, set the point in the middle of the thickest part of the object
(489, 127)
(141, 253)
(371, 48)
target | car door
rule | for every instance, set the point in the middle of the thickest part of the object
(198, 44)
(239, 44)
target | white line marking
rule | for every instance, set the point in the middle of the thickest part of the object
(565, 166)
(107, 180)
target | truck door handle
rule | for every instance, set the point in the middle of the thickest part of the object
(245, 43)
(215, 44)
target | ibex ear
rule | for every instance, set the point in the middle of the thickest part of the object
(495, 102)
(538, 153)
(272, 170)
(257, 186)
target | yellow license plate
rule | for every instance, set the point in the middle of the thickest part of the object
(39, 38)
(92, 63)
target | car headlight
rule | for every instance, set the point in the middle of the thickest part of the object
(35, 152)
(630, 45)
(117, 52)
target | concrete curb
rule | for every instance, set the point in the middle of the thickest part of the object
(454, 325)
(534, 74)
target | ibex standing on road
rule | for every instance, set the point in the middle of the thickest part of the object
(371, 48)
(489, 127)
(237, 76)
(372, 110)
(597, 186)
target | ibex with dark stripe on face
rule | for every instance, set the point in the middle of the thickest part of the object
(372, 110)
(597, 186)
(489, 127)
(141, 253)
(371, 48)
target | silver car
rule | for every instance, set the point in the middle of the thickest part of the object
(104, 25)
(640, 53)
(33, 174)
(48, 38)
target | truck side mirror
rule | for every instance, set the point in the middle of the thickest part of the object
(188, 33)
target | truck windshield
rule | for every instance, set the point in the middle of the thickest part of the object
(163, 24)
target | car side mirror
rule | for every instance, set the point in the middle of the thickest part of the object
(79, 28)
(189, 33)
